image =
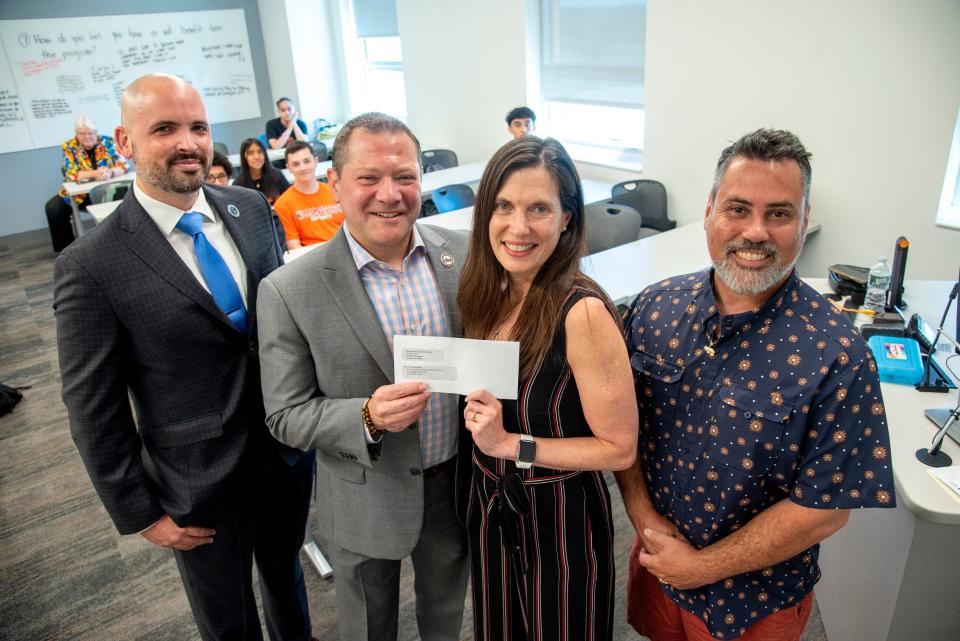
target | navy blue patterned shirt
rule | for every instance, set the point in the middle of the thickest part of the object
(783, 402)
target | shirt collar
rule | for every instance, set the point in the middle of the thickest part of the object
(362, 258)
(710, 314)
(167, 216)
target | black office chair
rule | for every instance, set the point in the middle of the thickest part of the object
(319, 150)
(609, 225)
(437, 159)
(452, 197)
(109, 192)
(649, 197)
(222, 148)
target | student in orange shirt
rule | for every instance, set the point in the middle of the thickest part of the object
(308, 210)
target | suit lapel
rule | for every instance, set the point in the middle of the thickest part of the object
(447, 271)
(145, 240)
(339, 273)
(234, 227)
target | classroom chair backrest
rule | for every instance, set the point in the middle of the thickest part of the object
(109, 192)
(222, 148)
(319, 150)
(437, 159)
(649, 197)
(452, 197)
(610, 225)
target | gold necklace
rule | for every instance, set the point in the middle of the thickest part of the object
(711, 342)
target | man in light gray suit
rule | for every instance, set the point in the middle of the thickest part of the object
(386, 453)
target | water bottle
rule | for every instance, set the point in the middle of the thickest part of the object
(878, 282)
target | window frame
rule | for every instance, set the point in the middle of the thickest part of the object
(598, 150)
(948, 211)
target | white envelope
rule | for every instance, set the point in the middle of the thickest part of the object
(458, 365)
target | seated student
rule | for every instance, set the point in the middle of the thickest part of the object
(220, 170)
(521, 121)
(308, 210)
(257, 173)
(86, 157)
(286, 129)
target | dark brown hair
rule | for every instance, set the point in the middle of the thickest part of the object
(271, 178)
(483, 299)
(372, 122)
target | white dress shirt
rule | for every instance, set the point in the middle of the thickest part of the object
(166, 217)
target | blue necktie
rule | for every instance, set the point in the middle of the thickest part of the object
(222, 286)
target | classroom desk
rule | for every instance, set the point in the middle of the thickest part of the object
(82, 189)
(894, 575)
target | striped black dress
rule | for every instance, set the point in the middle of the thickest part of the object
(541, 540)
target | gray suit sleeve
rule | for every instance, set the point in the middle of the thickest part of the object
(95, 393)
(298, 412)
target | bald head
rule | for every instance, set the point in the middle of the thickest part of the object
(164, 129)
(141, 94)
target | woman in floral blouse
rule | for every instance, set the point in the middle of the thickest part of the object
(87, 156)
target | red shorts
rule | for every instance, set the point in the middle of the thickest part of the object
(654, 614)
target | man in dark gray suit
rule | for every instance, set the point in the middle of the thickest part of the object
(157, 304)
(386, 453)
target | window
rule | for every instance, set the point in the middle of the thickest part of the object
(383, 77)
(592, 66)
(373, 57)
(948, 214)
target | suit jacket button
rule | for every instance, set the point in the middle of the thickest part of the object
(253, 346)
(415, 471)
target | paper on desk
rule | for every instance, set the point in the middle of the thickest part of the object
(458, 365)
(948, 477)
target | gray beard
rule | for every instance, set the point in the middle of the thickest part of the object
(751, 281)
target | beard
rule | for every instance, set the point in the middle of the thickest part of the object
(744, 280)
(162, 175)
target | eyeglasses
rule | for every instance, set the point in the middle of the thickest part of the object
(218, 178)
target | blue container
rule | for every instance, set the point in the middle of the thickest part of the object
(898, 359)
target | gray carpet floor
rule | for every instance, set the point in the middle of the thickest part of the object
(65, 574)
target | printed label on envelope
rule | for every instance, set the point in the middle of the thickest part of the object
(458, 365)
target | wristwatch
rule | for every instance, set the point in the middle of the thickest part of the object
(526, 452)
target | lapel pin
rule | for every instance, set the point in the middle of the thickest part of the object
(447, 259)
(233, 211)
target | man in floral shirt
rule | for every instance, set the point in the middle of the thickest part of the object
(762, 422)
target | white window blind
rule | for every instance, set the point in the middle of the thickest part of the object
(593, 51)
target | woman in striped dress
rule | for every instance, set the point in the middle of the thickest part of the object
(539, 521)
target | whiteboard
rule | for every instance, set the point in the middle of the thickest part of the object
(54, 70)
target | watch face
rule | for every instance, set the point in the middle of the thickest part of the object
(528, 452)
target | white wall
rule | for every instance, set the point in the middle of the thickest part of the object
(870, 86)
(304, 57)
(464, 69)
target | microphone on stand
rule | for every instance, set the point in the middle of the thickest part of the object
(924, 385)
(943, 418)
(933, 456)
